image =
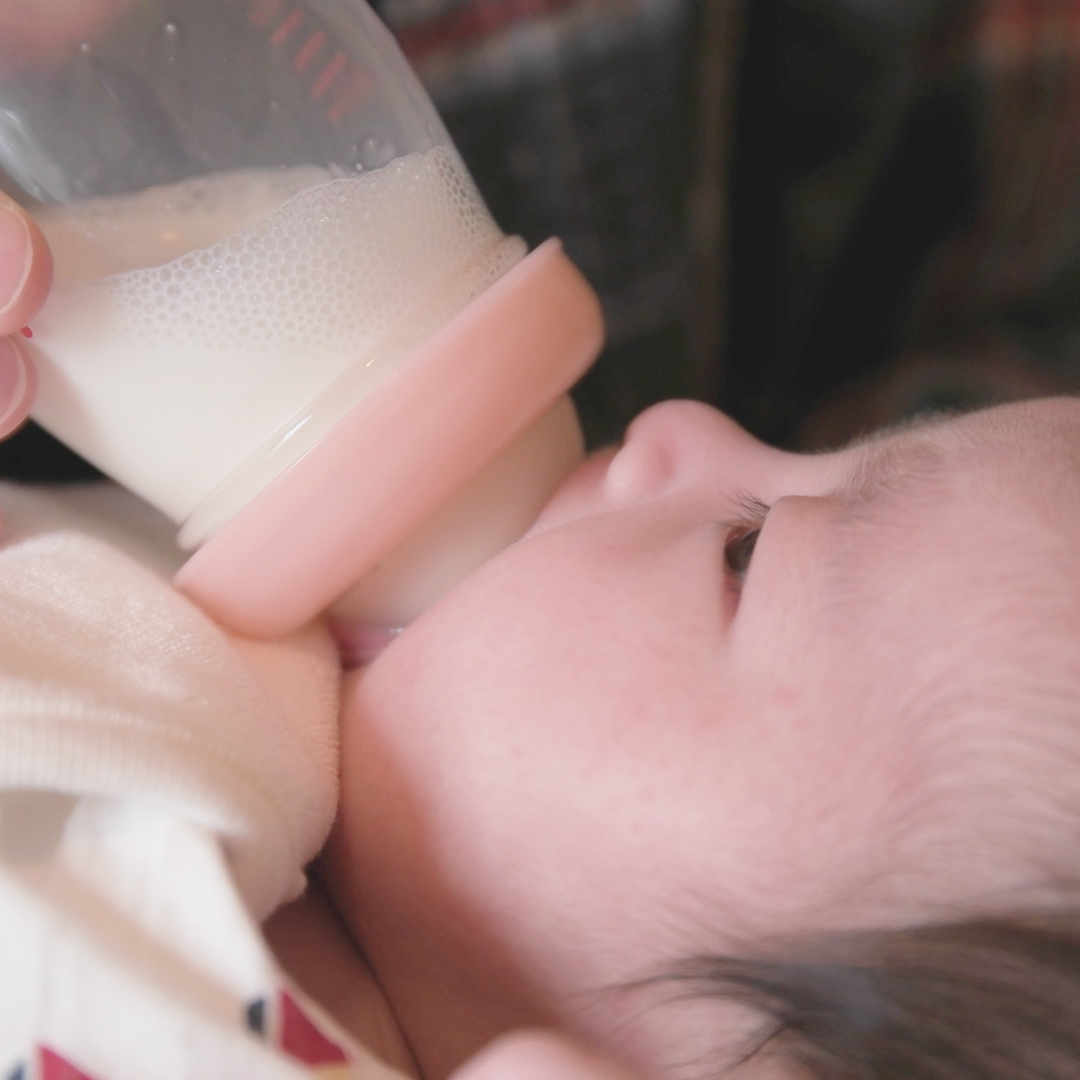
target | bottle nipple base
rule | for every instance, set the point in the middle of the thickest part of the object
(398, 455)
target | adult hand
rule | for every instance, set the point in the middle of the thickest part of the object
(25, 277)
(33, 34)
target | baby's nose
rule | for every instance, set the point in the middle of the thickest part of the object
(687, 445)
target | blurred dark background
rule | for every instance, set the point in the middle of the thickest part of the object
(821, 215)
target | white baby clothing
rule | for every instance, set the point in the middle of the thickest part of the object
(162, 785)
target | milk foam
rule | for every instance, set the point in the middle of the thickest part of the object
(192, 327)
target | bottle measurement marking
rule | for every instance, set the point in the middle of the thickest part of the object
(338, 82)
(330, 74)
(289, 27)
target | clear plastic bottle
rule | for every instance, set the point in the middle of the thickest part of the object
(282, 313)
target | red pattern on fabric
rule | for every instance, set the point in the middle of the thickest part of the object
(301, 1039)
(51, 1066)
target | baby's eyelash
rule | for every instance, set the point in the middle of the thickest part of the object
(742, 536)
(750, 510)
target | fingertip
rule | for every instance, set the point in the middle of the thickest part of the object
(18, 387)
(37, 285)
(39, 280)
(31, 267)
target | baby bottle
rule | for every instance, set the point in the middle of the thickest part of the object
(281, 312)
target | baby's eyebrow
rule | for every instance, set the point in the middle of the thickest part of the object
(885, 483)
(888, 462)
(908, 425)
(889, 471)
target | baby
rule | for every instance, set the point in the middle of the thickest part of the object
(706, 763)
(740, 763)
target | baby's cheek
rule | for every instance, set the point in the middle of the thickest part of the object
(383, 826)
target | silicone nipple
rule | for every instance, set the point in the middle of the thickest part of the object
(489, 513)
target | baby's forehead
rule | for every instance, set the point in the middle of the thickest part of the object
(1013, 458)
(979, 512)
(956, 550)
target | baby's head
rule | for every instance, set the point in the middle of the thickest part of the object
(723, 695)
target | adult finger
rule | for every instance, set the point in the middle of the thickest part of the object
(18, 385)
(25, 267)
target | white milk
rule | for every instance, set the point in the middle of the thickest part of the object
(211, 331)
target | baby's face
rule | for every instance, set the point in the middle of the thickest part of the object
(639, 734)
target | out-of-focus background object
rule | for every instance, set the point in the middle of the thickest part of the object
(822, 215)
(819, 214)
(905, 197)
(576, 118)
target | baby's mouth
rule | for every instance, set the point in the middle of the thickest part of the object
(359, 644)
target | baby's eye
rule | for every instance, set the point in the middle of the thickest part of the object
(738, 552)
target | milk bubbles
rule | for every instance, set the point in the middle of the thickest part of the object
(193, 326)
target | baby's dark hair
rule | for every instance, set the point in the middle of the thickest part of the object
(986, 999)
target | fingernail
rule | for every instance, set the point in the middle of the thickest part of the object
(16, 253)
(18, 384)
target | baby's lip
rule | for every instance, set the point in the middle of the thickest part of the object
(359, 644)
